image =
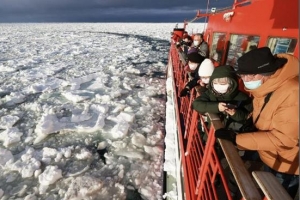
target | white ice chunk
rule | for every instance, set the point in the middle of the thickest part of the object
(84, 187)
(4, 68)
(83, 116)
(50, 175)
(37, 173)
(10, 136)
(46, 84)
(138, 140)
(49, 152)
(98, 125)
(147, 192)
(8, 121)
(26, 167)
(5, 156)
(118, 109)
(129, 117)
(126, 86)
(172, 195)
(120, 129)
(100, 121)
(58, 157)
(96, 85)
(14, 98)
(121, 174)
(99, 108)
(67, 153)
(76, 82)
(47, 125)
(78, 95)
(153, 150)
(102, 145)
(84, 154)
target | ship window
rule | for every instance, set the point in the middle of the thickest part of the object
(282, 45)
(239, 45)
(218, 46)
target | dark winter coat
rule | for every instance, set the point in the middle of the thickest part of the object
(209, 100)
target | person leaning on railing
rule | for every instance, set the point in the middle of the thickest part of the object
(194, 61)
(223, 97)
(205, 70)
(277, 139)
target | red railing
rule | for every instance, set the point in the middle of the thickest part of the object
(203, 174)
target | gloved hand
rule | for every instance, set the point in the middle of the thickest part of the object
(184, 92)
(225, 134)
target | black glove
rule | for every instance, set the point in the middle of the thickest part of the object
(184, 92)
(225, 134)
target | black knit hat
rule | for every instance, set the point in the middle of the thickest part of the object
(259, 61)
(195, 57)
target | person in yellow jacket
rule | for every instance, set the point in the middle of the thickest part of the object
(274, 78)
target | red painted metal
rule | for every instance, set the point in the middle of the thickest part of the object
(200, 163)
(264, 18)
(177, 34)
(259, 17)
(176, 64)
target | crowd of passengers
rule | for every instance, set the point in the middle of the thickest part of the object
(263, 123)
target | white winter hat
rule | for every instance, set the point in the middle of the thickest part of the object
(206, 68)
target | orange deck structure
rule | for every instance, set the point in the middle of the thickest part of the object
(230, 33)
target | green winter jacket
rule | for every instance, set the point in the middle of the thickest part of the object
(209, 100)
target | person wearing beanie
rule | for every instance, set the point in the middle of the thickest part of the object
(205, 70)
(273, 81)
(194, 61)
(194, 58)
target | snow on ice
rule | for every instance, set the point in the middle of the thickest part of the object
(83, 110)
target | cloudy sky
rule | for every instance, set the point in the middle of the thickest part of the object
(103, 10)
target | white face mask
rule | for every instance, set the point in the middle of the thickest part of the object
(205, 80)
(221, 88)
(251, 85)
(196, 43)
(193, 66)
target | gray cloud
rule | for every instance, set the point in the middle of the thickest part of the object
(102, 10)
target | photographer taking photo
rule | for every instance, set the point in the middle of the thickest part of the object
(273, 81)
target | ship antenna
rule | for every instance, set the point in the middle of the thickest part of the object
(204, 27)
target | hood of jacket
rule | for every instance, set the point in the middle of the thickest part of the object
(222, 72)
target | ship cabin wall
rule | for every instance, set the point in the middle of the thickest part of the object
(260, 22)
